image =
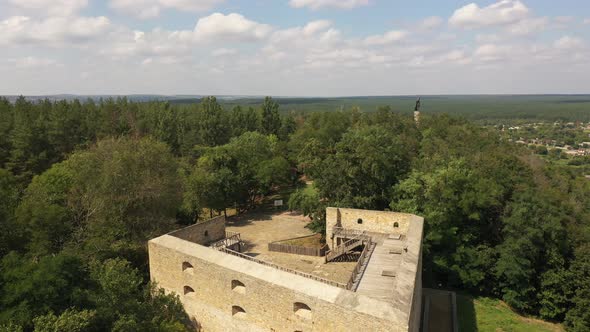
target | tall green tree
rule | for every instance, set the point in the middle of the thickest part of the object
(366, 164)
(271, 119)
(35, 287)
(213, 125)
(6, 126)
(30, 153)
(11, 236)
(105, 201)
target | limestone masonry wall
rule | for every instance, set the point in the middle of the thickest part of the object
(222, 292)
(370, 221)
(203, 233)
(267, 306)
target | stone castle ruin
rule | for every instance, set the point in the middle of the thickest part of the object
(225, 286)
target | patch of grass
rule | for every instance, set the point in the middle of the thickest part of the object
(490, 315)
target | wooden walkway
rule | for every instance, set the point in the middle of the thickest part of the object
(361, 267)
(379, 279)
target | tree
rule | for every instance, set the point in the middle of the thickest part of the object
(533, 248)
(124, 304)
(308, 202)
(30, 153)
(63, 127)
(288, 127)
(457, 204)
(10, 233)
(366, 164)
(70, 320)
(213, 125)
(244, 120)
(105, 201)
(6, 124)
(236, 174)
(271, 120)
(44, 213)
(32, 288)
(578, 317)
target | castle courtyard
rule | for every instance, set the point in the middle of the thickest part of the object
(259, 229)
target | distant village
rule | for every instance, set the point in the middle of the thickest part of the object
(572, 139)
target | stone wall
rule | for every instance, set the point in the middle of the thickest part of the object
(416, 269)
(204, 232)
(416, 313)
(268, 296)
(370, 221)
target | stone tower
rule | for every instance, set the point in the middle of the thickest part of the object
(417, 111)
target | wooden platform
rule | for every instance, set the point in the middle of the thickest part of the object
(375, 283)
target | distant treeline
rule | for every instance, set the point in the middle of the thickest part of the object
(485, 109)
(488, 109)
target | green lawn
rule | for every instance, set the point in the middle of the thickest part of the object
(491, 315)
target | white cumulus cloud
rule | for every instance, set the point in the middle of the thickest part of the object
(317, 4)
(431, 22)
(224, 52)
(52, 30)
(568, 43)
(33, 62)
(386, 38)
(51, 7)
(152, 8)
(500, 13)
(493, 52)
(528, 26)
(233, 27)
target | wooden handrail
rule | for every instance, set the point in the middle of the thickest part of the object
(369, 246)
(231, 239)
(343, 249)
(278, 267)
(346, 232)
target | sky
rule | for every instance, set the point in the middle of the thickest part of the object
(294, 47)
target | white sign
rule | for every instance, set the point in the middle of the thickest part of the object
(279, 202)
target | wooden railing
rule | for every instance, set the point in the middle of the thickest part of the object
(343, 248)
(231, 239)
(230, 234)
(350, 233)
(299, 273)
(360, 265)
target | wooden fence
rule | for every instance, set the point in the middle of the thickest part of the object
(297, 250)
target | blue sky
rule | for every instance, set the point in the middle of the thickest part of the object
(294, 47)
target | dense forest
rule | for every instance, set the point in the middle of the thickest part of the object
(84, 185)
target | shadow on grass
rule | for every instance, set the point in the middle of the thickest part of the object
(466, 314)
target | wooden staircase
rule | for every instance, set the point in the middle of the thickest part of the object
(344, 248)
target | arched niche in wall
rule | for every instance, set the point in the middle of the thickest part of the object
(188, 291)
(302, 310)
(238, 286)
(238, 311)
(187, 267)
